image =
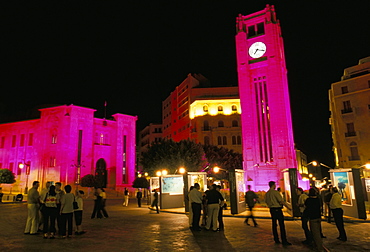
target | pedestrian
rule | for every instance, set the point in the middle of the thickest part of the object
(97, 204)
(324, 191)
(78, 212)
(43, 193)
(66, 212)
(50, 212)
(213, 205)
(221, 225)
(251, 198)
(33, 201)
(190, 209)
(126, 194)
(312, 212)
(204, 208)
(155, 201)
(195, 199)
(327, 202)
(275, 202)
(302, 197)
(336, 208)
(139, 195)
(60, 192)
(103, 203)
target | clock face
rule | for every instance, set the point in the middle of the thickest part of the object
(257, 50)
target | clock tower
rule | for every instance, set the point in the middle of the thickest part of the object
(268, 145)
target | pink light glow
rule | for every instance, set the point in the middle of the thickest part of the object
(268, 145)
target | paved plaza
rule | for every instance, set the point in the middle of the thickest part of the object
(139, 229)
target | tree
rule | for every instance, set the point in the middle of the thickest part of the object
(140, 183)
(88, 181)
(6, 176)
(223, 158)
(171, 155)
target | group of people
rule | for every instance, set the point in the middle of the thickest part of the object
(212, 202)
(99, 204)
(54, 205)
(312, 207)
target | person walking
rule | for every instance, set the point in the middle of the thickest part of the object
(50, 212)
(336, 208)
(195, 199)
(66, 212)
(97, 204)
(78, 212)
(213, 205)
(312, 212)
(302, 197)
(251, 198)
(126, 194)
(103, 203)
(33, 200)
(139, 195)
(275, 202)
(155, 201)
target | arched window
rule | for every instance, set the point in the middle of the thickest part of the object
(219, 140)
(220, 109)
(224, 140)
(205, 109)
(234, 108)
(206, 140)
(239, 140)
(234, 123)
(220, 123)
(233, 140)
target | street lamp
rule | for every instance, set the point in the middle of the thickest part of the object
(28, 168)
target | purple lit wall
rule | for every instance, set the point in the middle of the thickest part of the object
(66, 143)
(268, 145)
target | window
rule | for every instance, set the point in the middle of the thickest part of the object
(233, 140)
(234, 123)
(221, 124)
(206, 140)
(239, 140)
(350, 130)
(22, 140)
(219, 140)
(2, 143)
(54, 138)
(206, 126)
(11, 166)
(256, 30)
(234, 108)
(205, 109)
(344, 90)
(30, 139)
(220, 109)
(52, 162)
(346, 107)
(354, 151)
(14, 140)
(224, 140)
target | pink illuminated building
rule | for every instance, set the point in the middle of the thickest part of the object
(67, 143)
(268, 145)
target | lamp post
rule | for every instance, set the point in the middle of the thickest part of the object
(28, 168)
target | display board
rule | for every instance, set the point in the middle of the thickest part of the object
(237, 191)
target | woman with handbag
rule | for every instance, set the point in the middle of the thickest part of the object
(49, 212)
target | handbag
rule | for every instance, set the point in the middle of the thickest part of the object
(75, 204)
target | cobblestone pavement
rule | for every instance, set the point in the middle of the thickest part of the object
(139, 229)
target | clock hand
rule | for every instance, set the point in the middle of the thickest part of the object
(256, 51)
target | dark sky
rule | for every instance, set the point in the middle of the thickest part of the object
(134, 53)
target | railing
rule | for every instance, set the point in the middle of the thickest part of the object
(350, 134)
(347, 110)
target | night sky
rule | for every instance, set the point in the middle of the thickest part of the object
(132, 54)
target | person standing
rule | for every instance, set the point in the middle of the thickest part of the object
(78, 212)
(336, 208)
(43, 193)
(33, 200)
(275, 202)
(327, 201)
(50, 212)
(251, 198)
(302, 197)
(126, 194)
(104, 200)
(139, 195)
(66, 212)
(312, 212)
(221, 226)
(97, 204)
(324, 191)
(60, 192)
(213, 206)
(190, 210)
(195, 199)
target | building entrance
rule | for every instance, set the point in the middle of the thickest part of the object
(101, 173)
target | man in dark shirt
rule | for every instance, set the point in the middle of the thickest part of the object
(139, 195)
(213, 204)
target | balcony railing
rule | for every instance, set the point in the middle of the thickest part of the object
(350, 134)
(347, 110)
(353, 158)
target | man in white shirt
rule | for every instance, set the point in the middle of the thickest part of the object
(275, 202)
(195, 200)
